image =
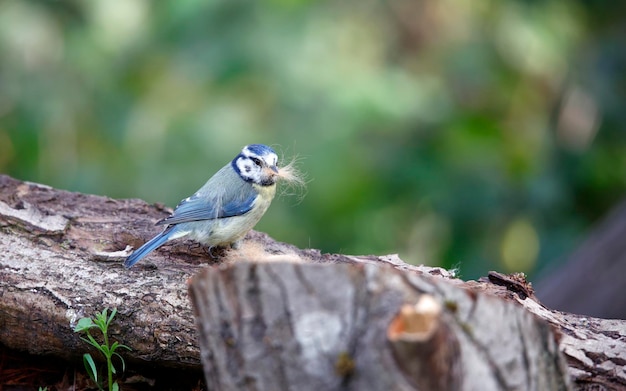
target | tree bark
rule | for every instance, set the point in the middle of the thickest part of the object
(270, 314)
(316, 327)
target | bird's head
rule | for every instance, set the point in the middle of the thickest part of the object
(256, 163)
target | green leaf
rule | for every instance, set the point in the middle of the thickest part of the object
(84, 324)
(113, 312)
(90, 367)
(101, 320)
(115, 387)
(123, 346)
(122, 360)
(91, 341)
(117, 345)
(105, 350)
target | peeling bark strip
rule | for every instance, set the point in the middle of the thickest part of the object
(61, 257)
(287, 326)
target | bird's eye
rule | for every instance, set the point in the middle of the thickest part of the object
(256, 161)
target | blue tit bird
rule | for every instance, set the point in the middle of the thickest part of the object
(229, 204)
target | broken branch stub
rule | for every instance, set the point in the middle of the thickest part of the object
(424, 346)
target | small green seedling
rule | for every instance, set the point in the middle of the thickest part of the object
(101, 321)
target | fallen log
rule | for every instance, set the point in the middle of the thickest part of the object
(61, 259)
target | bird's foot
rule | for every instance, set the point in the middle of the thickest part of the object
(236, 245)
(214, 252)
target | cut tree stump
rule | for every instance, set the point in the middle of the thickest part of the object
(272, 315)
(317, 327)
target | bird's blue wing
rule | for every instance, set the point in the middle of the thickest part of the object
(197, 208)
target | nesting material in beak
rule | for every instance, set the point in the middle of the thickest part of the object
(289, 173)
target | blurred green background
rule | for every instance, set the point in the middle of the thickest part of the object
(482, 134)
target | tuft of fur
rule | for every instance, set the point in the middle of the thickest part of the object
(251, 250)
(293, 178)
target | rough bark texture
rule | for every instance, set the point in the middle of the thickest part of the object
(272, 307)
(294, 326)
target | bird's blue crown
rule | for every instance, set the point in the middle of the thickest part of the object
(259, 149)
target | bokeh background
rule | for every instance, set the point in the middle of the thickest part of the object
(478, 134)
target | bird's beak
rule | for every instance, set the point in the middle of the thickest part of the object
(271, 171)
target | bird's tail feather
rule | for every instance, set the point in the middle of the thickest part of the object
(149, 246)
